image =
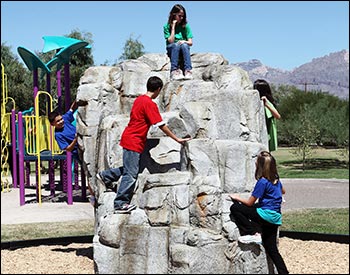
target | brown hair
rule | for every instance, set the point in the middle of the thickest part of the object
(266, 167)
(53, 115)
(177, 8)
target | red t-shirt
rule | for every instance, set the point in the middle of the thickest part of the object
(144, 113)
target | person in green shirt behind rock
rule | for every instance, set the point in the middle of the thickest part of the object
(271, 113)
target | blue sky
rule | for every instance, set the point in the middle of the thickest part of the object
(283, 34)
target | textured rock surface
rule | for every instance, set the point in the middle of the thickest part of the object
(182, 222)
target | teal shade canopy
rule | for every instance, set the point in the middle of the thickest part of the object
(31, 60)
(57, 42)
(63, 56)
(65, 53)
(52, 62)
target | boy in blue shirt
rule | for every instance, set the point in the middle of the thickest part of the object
(65, 131)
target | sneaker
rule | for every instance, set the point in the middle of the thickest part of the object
(126, 208)
(188, 75)
(250, 239)
(176, 75)
(108, 185)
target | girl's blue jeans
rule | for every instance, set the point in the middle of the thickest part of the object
(174, 50)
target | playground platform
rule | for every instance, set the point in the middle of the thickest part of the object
(53, 210)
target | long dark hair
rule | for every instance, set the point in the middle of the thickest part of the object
(264, 90)
(177, 8)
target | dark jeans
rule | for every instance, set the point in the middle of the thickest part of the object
(249, 222)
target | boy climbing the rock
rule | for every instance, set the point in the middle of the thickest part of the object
(144, 114)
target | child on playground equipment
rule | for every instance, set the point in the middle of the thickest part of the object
(65, 133)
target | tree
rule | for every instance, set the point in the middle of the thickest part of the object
(19, 80)
(133, 49)
(329, 113)
(79, 62)
(304, 132)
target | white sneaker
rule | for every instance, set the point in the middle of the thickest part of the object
(176, 75)
(250, 239)
(188, 75)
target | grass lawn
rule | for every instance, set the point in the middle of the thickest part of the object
(326, 221)
(323, 163)
(30, 231)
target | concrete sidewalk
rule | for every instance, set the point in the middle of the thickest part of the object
(315, 193)
(13, 213)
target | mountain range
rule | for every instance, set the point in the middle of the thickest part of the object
(329, 73)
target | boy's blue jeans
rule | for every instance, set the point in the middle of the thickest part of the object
(131, 166)
(112, 175)
(174, 50)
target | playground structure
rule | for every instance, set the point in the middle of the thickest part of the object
(29, 133)
(5, 132)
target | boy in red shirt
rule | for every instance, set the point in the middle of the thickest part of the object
(144, 114)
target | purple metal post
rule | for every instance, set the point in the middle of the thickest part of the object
(48, 89)
(65, 169)
(59, 91)
(37, 167)
(69, 178)
(52, 177)
(35, 82)
(67, 87)
(14, 147)
(62, 177)
(21, 159)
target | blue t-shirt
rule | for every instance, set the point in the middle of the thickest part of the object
(65, 136)
(270, 200)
